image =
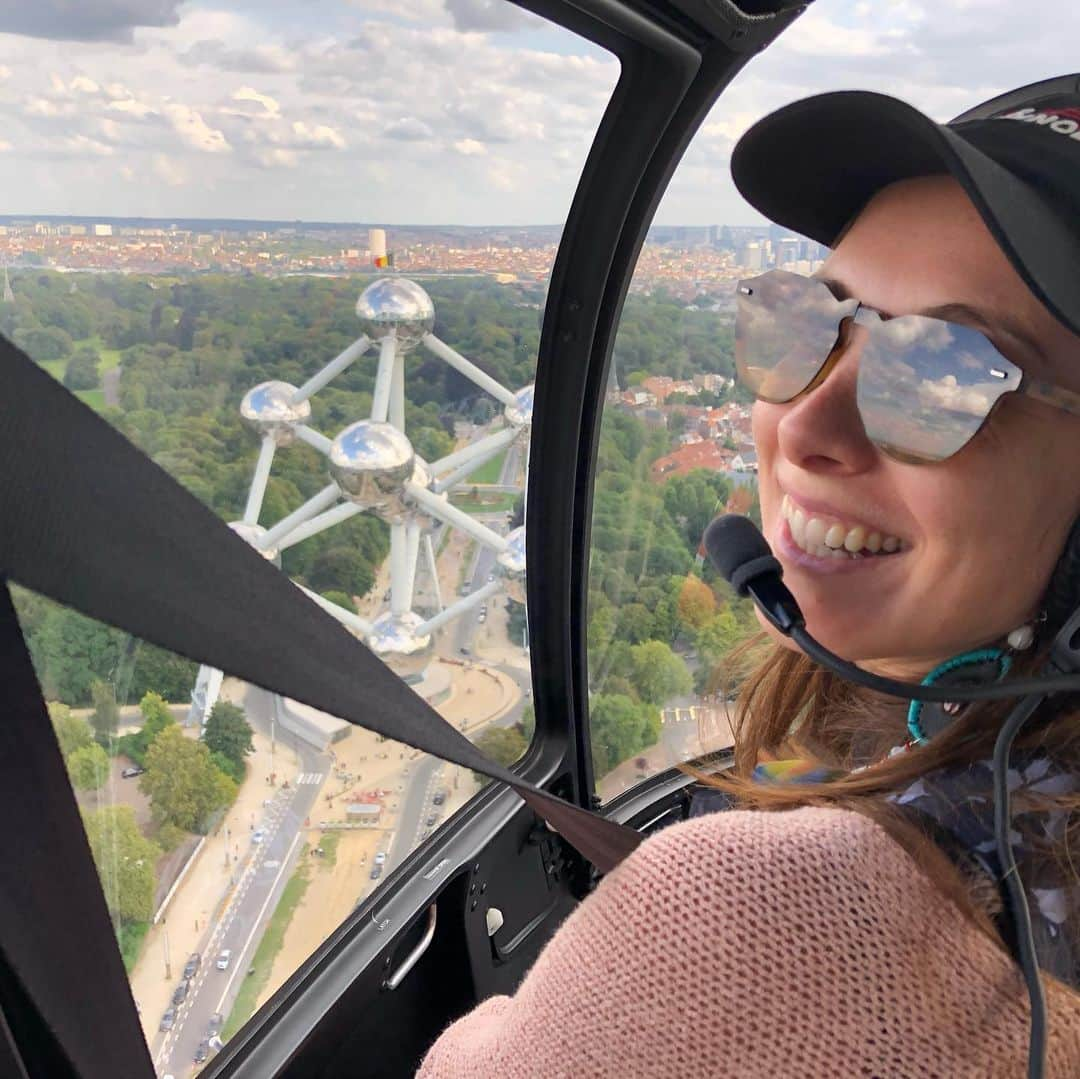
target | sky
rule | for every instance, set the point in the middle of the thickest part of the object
(467, 112)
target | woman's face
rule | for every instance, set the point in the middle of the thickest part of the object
(980, 532)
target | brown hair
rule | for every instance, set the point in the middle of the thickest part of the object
(790, 707)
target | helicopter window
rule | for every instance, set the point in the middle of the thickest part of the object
(355, 400)
(676, 447)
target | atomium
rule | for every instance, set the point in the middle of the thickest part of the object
(268, 409)
(519, 414)
(396, 305)
(511, 564)
(371, 462)
(375, 469)
(397, 634)
(254, 535)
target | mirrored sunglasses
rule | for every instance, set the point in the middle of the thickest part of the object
(924, 388)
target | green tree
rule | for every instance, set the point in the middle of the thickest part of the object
(504, 745)
(619, 727)
(183, 784)
(72, 732)
(106, 716)
(156, 717)
(228, 732)
(88, 767)
(657, 673)
(342, 599)
(125, 861)
(81, 372)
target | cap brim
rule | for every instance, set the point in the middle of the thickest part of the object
(813, 165)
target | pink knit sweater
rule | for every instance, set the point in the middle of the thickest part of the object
(780, 945)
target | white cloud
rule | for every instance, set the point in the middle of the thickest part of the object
(316, 136)
(139, 109)
(470, 147)
(5, 146)
(83, 85)
(169, 170)
(408, 129)
(248, 93)
(195, 131)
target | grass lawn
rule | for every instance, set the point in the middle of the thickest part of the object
(94, 398)
(269, 946)
(130, 938)
(329, 844)
(489, 471)
(491, 504)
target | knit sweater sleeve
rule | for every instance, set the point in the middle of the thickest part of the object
(750, 944)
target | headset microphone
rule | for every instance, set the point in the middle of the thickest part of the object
(739, 552)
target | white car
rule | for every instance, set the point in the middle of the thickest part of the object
(257, 835)
(380, 857)
(223, 959)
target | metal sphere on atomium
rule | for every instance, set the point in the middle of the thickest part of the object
(371, 462)
(254, 535)
(519, 414)
(399, 306)
(268, 409)
(511, 564)
(398, 635)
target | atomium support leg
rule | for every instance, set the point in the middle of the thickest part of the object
(468, 369)
(259, 480)
(331, 370)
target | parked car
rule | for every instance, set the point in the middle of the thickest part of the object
(167, 1019)
(131, 772)
(430, 822)
(483, 617)
(380, 857)
(180, 995)
(376, 872)
(192, 965)
(223, 959)
(258, 835)
(440, 797)
(217, 1021)
(202, 1051)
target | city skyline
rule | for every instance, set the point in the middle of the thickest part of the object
(469, 112)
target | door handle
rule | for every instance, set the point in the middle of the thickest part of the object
(413, 957)
(502, 953)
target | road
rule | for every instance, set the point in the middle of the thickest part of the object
(483, 565)
(258, 874)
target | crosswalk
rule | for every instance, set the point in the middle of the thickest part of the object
(681, 715)
(309, 778)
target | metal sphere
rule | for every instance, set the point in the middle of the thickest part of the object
(253, 535)
(511, 564)
(519, 414)
(268, 410)
(371, 462)
(396, 305)
(397, 635)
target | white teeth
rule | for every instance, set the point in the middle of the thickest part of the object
(833, 539)
(855, 539)
(797, 524)
(815, 532)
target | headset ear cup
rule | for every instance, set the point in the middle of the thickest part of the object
(1063, 593)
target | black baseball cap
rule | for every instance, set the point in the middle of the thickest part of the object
(813, 165)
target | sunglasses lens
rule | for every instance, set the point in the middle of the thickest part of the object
(925, 386)
(785, 328)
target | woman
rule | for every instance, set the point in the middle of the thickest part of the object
(917, 429)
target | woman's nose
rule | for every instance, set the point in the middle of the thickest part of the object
(821, 431)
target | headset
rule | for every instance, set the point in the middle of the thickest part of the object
(739, 552)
